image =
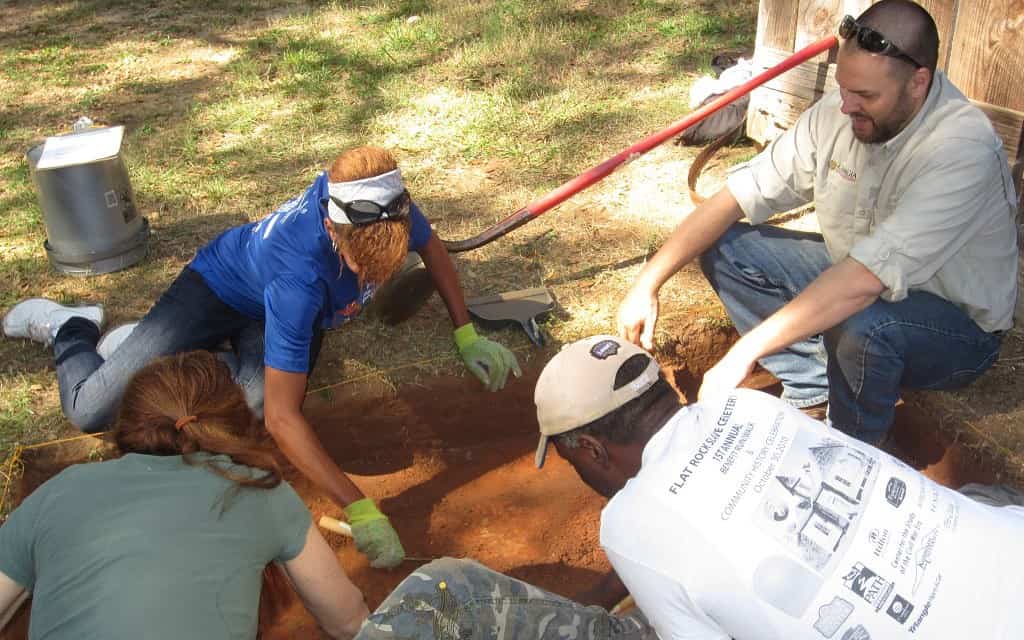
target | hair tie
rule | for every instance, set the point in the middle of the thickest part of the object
(182, 421)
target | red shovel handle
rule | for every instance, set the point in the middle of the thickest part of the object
(596, 174)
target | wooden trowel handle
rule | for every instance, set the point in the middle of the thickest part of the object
(335, 525)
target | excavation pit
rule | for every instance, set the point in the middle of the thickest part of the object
(452, 466)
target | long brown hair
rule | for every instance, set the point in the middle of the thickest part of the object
(379, 248)
(187, 404)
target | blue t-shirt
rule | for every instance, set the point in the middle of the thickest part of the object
(283, 270)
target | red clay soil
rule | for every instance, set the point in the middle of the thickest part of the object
(452, 466)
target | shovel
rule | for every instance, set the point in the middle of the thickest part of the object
(523, 306)
(400, 299)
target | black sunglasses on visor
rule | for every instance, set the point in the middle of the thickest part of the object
(361, 212)
(872, 41)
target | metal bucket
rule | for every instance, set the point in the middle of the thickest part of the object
(92, 225)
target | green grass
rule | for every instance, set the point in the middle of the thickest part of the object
(232, 107)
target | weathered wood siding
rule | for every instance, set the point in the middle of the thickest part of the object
(981, 49)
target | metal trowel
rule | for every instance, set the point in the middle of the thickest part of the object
(523, 306)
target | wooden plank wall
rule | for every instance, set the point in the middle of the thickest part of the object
(981, 49)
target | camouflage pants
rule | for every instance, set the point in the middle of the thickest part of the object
(449, 599)
(995, 495)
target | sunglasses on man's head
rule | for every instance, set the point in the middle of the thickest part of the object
(361, 212)
(872, 41)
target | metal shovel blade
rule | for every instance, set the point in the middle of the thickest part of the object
(523, 306)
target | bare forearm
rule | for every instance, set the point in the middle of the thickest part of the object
(446, 279)
(693, 236)
(325, 589)
(284, 393)
(841, 291)
(638, 312)
(297, 441)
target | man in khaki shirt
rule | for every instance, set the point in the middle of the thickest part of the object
(913, 278)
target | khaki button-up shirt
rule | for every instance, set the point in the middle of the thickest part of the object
(930, 210)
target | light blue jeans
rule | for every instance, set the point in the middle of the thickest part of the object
(450, 599)
(859, 365)
(188, 316)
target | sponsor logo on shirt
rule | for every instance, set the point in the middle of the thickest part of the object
(351, 310)
(832, 616)
(857, 633)
(895, 492)
(870, 586)
(843, 172)
(899, 610)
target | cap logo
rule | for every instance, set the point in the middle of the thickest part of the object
(604, 349)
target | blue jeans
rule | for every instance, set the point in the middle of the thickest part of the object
(449, 599)
(859, 365)
(187, 316)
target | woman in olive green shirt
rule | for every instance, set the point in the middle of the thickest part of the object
(171, 539)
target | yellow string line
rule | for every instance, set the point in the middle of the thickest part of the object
(83, 436)
(16, 456)
(13, 460)
(372, 374)
(385, 372)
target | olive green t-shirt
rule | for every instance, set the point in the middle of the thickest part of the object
(141, 547)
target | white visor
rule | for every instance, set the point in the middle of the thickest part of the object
(381, 189)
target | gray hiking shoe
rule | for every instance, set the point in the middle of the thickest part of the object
(40, 319)
(112, 339)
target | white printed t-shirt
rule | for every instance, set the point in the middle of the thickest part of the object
(749, 520)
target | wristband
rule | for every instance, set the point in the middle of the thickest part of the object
(465, 336)
(362, 511)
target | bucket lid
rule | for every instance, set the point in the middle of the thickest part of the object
(80, 147)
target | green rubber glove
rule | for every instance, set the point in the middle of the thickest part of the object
(489, 361)
(374, 536)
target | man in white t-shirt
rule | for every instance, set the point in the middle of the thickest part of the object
(740, 517)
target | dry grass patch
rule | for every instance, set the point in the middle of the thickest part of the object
(231, 108)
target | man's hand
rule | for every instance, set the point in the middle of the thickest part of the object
(489, 361)
(637, 317)
(374, 535)
(726, 375)
(638, 313)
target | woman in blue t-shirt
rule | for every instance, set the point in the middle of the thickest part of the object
(270, 288)
(171, 539)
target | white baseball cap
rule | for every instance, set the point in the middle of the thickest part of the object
(579, 385)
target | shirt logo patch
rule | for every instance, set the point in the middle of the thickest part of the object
(352, 309)
(845, 173)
